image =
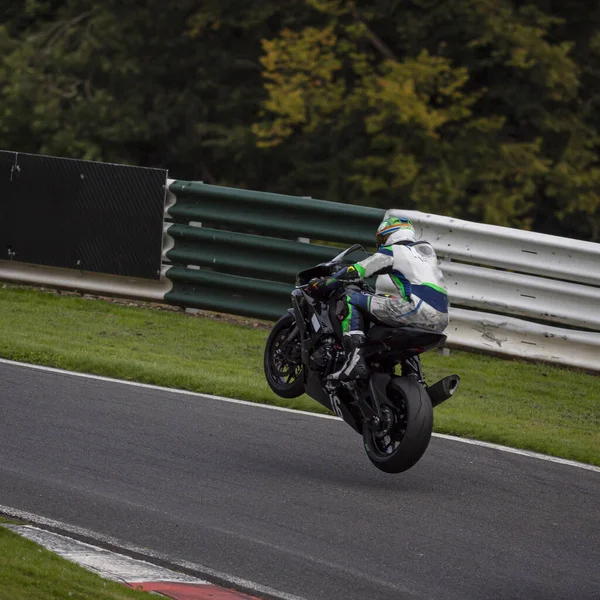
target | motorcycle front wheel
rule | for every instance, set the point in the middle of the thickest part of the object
(282, 360)
(401, 440)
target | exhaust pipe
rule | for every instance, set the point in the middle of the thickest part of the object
(442, 390)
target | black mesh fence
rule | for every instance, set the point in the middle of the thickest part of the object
(81, 215)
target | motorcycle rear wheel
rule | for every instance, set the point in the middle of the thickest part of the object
(284, 376)
(409, 417)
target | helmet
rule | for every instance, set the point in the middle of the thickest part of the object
(395, 229)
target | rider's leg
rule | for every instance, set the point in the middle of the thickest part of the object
(396, 311)
(350, 311)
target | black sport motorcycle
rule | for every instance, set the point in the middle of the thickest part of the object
(393, 413)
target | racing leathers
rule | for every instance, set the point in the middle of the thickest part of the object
(409, 290)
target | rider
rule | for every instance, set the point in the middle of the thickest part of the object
(409, 290)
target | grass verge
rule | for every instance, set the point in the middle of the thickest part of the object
(536, 407)
(30, 572)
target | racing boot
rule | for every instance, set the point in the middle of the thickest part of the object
(355, 366)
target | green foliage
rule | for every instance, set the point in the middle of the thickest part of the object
(468, 107)
(136, 83)
(481, 109)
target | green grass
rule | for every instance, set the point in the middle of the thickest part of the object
(6, 521)
(29, 572)
(536, 407)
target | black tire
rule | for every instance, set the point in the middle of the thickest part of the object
(285, 376)
(411, 414)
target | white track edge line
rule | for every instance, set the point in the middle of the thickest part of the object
(164, 389)
(490, 445)
(530, 453)
(88, 534)
(72, 549)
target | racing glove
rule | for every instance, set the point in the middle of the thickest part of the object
(323, 287)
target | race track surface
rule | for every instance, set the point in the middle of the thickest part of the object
(291, 501)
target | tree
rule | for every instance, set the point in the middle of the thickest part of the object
(467, 107)
(133, 82)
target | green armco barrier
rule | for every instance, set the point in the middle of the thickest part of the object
(247, 249)
(273, 214)
(231, 294)
(244, 254)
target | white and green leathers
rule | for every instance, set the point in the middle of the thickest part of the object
(409, 286)
(409, 290)
(415, 285)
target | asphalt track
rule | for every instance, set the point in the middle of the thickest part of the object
(290, 501)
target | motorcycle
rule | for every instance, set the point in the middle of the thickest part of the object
(393, 413)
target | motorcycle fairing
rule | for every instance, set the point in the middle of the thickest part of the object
(404, 341)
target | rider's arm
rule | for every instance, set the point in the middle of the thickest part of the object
(381, 260)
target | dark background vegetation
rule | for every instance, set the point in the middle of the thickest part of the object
(487, 110)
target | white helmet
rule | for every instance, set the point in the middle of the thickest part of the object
(395, 229)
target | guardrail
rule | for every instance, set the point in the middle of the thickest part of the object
(268, 214)
(509, 289)
(514, 249)
(85, 282)
(500, 335)
(496, 274)
(237, 251)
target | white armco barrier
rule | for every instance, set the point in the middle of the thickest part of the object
(549, 300)
(513, 249)
(533, 282)
(500, 335)
(85, 282)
